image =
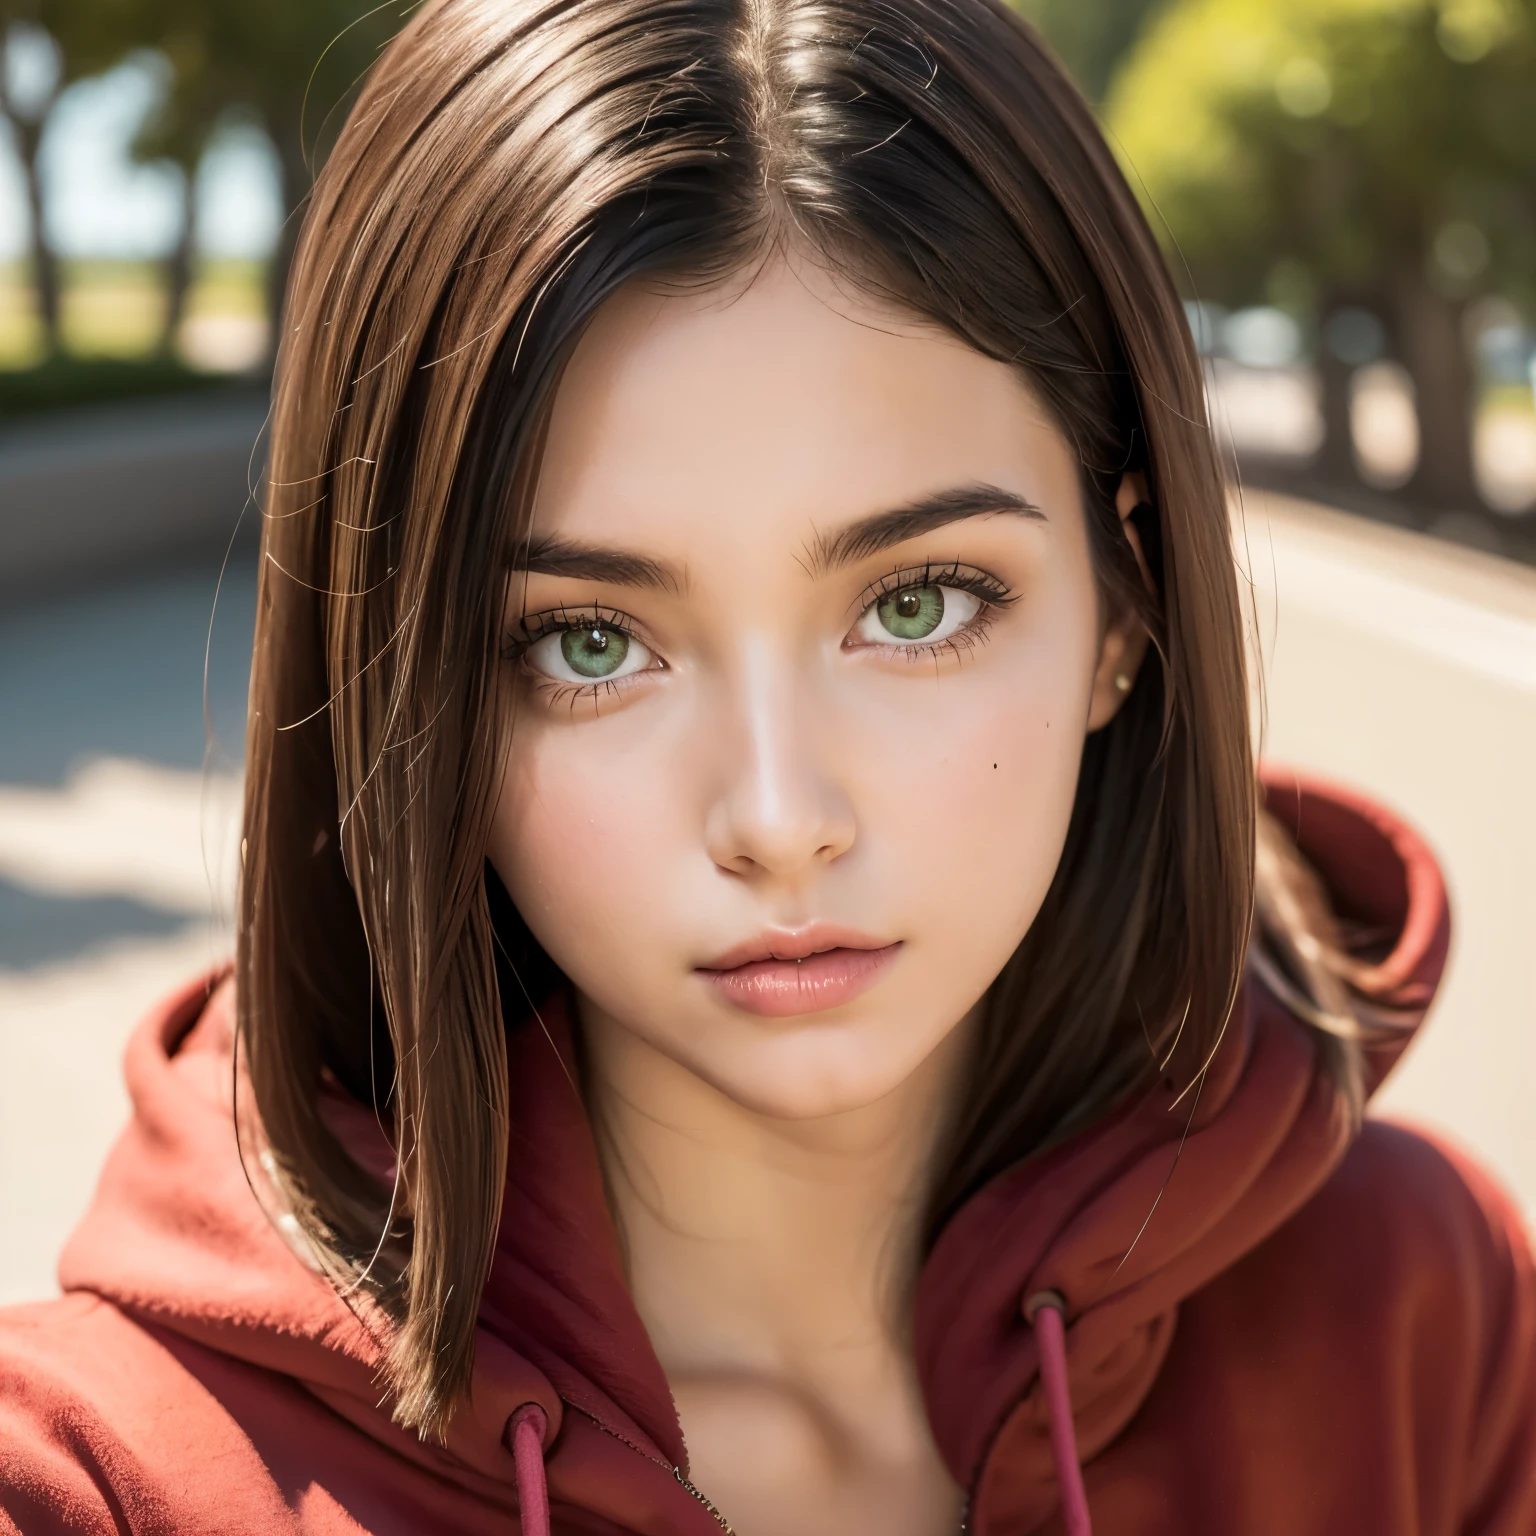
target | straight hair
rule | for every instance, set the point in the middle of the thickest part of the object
(508, 165)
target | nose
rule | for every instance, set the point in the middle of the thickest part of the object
(778, 812)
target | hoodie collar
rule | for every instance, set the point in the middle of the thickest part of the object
(1123, 1222)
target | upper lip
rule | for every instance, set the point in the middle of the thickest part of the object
(793, 944)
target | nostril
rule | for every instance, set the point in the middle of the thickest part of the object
(738, 864)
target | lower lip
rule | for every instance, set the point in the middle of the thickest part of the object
(779, 989)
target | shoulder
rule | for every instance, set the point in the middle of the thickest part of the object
(107, 1427)
(64, 1367)
(1410, 1209)
(1410, 1233)
(1408, 1280)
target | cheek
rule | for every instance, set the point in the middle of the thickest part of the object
(581, 831)
(970, 799)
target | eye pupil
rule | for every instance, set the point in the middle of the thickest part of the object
(912, 613)
(594, 652)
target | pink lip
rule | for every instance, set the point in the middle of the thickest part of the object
(805, 970)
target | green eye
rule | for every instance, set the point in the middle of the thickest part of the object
(913, 613)
(587, 651)
(594, 652)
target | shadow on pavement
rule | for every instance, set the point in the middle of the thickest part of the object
(118, 672)
(38, 929)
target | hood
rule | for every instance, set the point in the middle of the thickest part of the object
(1142, 1209)
(1123, 1221)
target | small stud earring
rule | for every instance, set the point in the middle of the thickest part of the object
(1122, 682)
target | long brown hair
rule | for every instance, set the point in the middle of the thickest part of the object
(507, 166)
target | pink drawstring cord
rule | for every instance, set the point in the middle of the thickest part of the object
(527, 1431)
(1044, 1311)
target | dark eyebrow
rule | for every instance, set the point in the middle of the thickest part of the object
(554, 556)
(869, 535)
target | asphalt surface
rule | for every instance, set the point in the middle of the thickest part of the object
(118, 827)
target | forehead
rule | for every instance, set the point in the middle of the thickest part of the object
(786, 399)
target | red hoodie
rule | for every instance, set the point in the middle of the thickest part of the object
(1313, 1334)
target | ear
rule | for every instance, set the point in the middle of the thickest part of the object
(1124, 646)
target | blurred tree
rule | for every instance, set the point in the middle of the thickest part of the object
(95, 35)
(1091, 37)
(291, 63)
(1381, 153)
(33, 69)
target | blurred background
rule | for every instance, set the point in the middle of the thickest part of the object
(1346, 190)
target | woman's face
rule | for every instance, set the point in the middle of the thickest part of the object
(807, 644)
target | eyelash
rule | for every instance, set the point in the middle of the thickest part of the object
(533, 627)
(992, 594)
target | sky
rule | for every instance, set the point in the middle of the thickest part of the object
(99, 203)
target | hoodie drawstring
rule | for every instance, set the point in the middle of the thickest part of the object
(1044, 1311)
(527, 1432)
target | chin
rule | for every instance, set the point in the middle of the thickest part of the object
(811, 1071)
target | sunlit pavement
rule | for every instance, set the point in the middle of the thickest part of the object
(118, 834)
(1407, 666)
(1395, 662)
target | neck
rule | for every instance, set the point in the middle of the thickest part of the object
(758, 1247)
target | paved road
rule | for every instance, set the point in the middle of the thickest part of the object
(1408, 666)
(1394, 661)
(117, 830)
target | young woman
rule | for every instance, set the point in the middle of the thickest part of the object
(766, 998)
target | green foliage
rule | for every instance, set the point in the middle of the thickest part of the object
(64, 381)
(290, 63)
(1362, 142)
(1090, 37)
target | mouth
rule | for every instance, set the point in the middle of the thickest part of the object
(805, 970)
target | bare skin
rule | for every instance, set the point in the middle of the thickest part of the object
(827, 729)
